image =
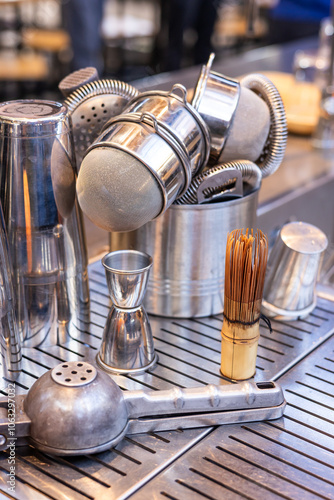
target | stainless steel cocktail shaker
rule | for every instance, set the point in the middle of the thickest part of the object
(10, 342)
(45, 232)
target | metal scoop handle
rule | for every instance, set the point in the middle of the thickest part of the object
(203, 406)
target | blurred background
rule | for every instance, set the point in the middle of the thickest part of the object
(41, 41)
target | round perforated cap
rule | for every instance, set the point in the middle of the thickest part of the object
(74, 373)
(117, 191)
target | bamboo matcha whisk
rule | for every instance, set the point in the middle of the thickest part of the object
(245, 267)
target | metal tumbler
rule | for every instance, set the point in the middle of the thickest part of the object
(292, 271)
(45, 232)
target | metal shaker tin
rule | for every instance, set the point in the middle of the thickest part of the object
(45, 233)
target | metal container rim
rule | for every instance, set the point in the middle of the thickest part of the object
(216, 205)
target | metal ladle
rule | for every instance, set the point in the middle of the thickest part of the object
(77, 409)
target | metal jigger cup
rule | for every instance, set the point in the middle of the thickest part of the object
(127, 342)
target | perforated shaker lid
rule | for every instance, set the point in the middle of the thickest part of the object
(33, 118)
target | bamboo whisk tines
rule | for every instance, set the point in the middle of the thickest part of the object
(245, 267)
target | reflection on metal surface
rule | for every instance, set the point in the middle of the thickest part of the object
(216, 98)
(290, 458)
(132, 172)
(189, 355)
(10, 342)
(127, 342)
(273, 152)
(43, 222)
(58, 415)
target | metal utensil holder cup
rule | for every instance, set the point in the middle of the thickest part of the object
(188, 244)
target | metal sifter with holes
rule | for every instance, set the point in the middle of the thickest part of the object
(91, 106)
(77, 409)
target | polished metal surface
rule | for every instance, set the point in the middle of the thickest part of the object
(165, 173)
(189, 355)
(10, 341)
(229, 180)
(291, 458)
(71, 418)
(44, 228)
(127, 341)
(32, 118)
(91, 106)
(188, 244)
(76, 79)
(273, 152)
(127, 273)
(216, 98)
(293, 271)
(323, 136)
(172, 110)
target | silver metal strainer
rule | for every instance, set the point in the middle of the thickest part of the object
(132, 173)
(91, 106)
(226, 181)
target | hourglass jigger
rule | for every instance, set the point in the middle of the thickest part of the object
(127, 342)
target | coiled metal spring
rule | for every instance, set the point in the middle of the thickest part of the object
(273, 152)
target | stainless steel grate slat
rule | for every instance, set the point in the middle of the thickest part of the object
(189, 355)
(22, 490)
(292, 457)
(48, 484)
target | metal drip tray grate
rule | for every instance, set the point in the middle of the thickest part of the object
(189, 355)
(290, 458)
